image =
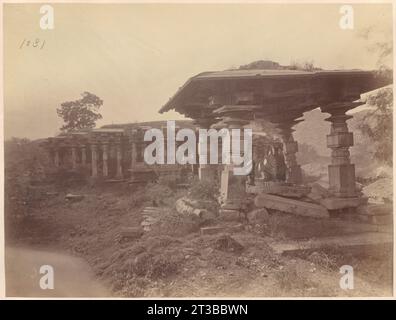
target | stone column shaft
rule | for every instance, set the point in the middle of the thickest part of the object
(290, 147)
(83, 156)
(73, 157)
(293, 174)
(119, 161)
(56, 158)
(224, 182)
(133, 155)
(94, 163)
(206, 171)
(105, 160)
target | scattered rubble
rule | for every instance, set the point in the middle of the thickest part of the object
(257, 216)
(74, 197)
(227, 243)
(54, 194)
(187, 206)
(127, 234)
(229, 214)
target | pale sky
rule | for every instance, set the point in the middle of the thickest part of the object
(135, 56)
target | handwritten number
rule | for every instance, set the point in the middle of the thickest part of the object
(37, 43)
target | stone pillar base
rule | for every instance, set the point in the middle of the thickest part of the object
(342, 180)
(343, 203)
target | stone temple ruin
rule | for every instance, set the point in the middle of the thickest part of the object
(271, 103)
(111, 153)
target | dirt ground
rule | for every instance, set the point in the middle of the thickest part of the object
(168, 263)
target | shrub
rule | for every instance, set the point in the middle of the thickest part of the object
(204, 190)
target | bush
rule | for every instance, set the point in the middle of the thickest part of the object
(25, 166)
(158, 194)
(175, 224)
(204, 190)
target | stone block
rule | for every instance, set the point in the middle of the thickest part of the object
(279, 188)
(342, 203)
(74, 197)
(229, 215)
(222, 229)
(340, 139)
(342, 180)
(129, 234)
(374, 209)
(290, 191)
(231, 206)
(291, 206)
(257, 216)
(314, 197)
(317, 189)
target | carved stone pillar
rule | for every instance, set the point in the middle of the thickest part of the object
(56, 158)
(105, 157)
(224, 182)
(206, 171)
(341, 171)
(94, 163)
(294, 173)
(227, 171)
(119, 161)
(83, 156)
(74, 157)
(133, 154)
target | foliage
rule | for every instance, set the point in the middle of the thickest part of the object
(260, 64)
(272, 65)
(24, 157)
(303, 66)
(80, 114)
(204, 190)
(25, 166)
(378, 124)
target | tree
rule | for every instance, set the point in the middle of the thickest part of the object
(80, 114)
(378, 122)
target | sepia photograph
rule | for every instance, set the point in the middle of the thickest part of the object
(198, 150)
